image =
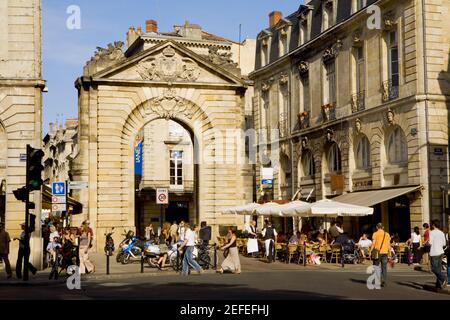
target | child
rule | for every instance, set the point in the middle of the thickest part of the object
(52, 247)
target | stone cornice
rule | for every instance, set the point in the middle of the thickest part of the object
(17, 82)
(189, 42)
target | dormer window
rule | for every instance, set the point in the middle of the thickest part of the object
(265, 38)
(303, 31)
(358, 5)
(284, 30)
(328, 14)
(303, 15)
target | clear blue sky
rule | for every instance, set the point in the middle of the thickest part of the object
(65, 51)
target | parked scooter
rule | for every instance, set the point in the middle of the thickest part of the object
(132, 250)
(124, 244)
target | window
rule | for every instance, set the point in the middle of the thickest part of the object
(284, 48)
(393, 63)
(329, 89)
(360, 70)
(305, 95)
(176, 168)
(360, 4)
(363, 154)
(328, 15)
(265, 110)
(397, 147)
(334, 159)
(303, 32)
(308, 164)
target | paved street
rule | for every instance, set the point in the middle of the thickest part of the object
(258, 281)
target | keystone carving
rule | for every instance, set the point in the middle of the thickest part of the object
(169, 106)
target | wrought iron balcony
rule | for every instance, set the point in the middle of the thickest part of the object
(329, 112)
(187, 186)
(389, 91)
(358, 101)
(303, 120)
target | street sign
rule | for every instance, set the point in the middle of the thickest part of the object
(58, 199)
(162, 196)
(59, 188)
(59, 207)
(77, 185)
(267, 182)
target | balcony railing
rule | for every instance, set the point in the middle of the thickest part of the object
(283, 125)
(187, 186)
(390, 92)
(329, 112)
(359, 101)
(303, 120)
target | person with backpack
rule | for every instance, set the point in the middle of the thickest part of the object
(438, 243)
(269, 234)
(380, 251)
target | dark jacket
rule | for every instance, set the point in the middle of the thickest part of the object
(4, 242)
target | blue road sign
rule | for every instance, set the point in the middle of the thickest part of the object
(59, 188)
(267, 182)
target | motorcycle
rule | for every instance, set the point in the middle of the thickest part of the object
(125, 242)
(109, 243)
(132, 250)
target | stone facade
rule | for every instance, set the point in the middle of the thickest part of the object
(187, 76)
(358, 109)
(60, 148)
(21, 88)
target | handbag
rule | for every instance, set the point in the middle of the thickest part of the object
(375, 254)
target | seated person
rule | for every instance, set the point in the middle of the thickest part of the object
(295, 238)
(364, 246)
(281, 238)
(53, 246)
(164, 255)
(341, 239)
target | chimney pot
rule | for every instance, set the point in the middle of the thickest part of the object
(151, 26)
(274, 18)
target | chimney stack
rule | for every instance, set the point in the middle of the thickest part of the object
(131, 36)
(151, 26)
(274, 18)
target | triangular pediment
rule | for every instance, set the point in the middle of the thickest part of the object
(169, 62)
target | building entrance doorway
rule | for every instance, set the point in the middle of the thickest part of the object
(177, 211)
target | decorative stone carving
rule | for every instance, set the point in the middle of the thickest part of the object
(168, 67)
(223, 60)
(284, 79)
(305, 143)
(389, 21)
(333, 51)
(303, 67)
(105, 57)
(169, 106)
(390, 117)
(358, 126)
(329, 135)
(265, 86)
(357, 41)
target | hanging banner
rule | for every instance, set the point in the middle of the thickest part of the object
(138, 159)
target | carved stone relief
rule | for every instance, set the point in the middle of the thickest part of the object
(169, 106)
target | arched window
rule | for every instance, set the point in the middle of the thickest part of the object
(363, 154)
(397, 147)
(308, 164)
(334, 158)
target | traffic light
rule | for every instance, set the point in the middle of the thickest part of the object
(21, 194)
(34, 168)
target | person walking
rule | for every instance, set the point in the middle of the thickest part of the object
(426, 244)
(173, 232)
(188, 246)
(231, 262)
(23, 251)
(252, 242)
(269, 234)
(181, 231)
(380, 250)
(149, 232)
(4, 250)
(86, 266)
(415, 242)
(438, 242)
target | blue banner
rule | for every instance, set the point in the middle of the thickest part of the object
(138, 159)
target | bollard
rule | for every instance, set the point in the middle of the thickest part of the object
(142, 260)
(215, 257)
(342, 256)
(107, 263)
(304, 255)
(178, 257)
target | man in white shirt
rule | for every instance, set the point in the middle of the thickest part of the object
(270, 234)
(181, 231)
(252, 242)
(189, 244)
(437, 242)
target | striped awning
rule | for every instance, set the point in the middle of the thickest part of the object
(373, 197)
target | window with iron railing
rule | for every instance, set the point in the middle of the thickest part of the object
(358, 101)
(283, 125)
(390, 87)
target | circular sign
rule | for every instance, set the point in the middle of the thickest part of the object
(162, 197)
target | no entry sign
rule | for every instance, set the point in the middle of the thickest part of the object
(162, 196)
